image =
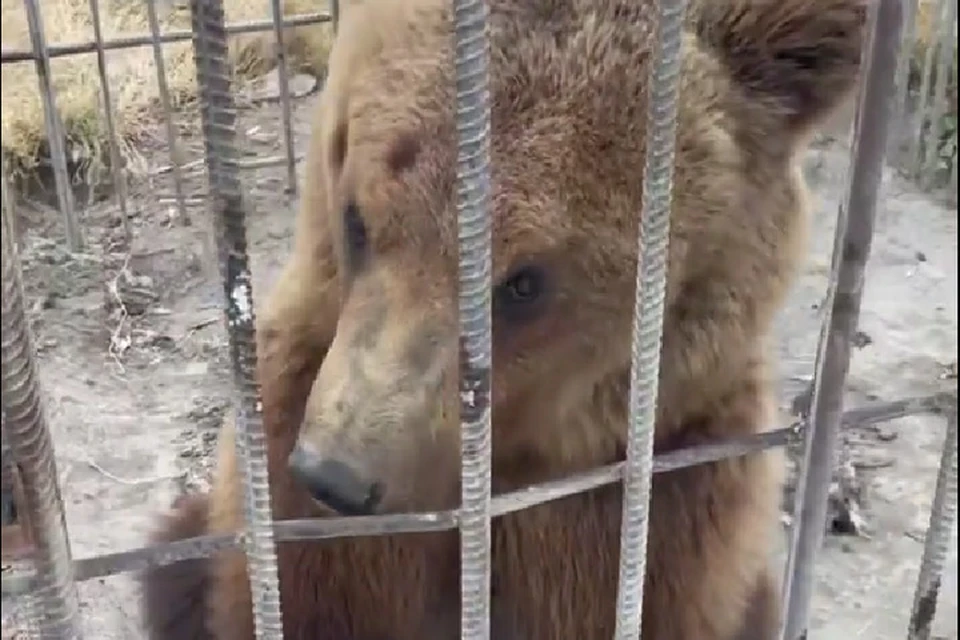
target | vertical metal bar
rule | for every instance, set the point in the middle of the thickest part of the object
(26, 616)
(907, 44)
(653, 245)
(55, 135)
(27, 433)
(473, 219)
(218, 114)
(282, 70)
(6, 199)
(946, 17)
(874, 109)
(943, 517)
(953, 175)
(164, 91)
(335, 14)
(915, 155)
(116, 171)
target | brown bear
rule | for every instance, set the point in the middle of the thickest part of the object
(358, 349)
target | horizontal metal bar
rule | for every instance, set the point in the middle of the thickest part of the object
(304, 529)
(265, 162)
(180, 35)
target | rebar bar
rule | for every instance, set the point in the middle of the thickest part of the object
(280, 51)
(218, 115)
(28, 435)
(116, 168)
(943, 517)
(306, 529)
(164, 90)
(908, 41)
(915, 148)
(54, 127)
(20, 612)
(653, 246)
(931, 162)
(952, 189)
(10, 225)
(874, 108)
(147, 40)
(473, 219)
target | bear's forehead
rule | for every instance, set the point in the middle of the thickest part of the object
(567, 114)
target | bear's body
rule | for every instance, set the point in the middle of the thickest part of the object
(355, 340)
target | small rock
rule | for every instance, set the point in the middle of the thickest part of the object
(862, 339)
(301, 85)
(800, 406)
(268, 87)
(196, 369)
(846, 500)
(949, 372)
(886, 435)
(133, 293)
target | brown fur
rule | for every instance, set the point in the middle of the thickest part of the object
(362, 325)
(174, 597)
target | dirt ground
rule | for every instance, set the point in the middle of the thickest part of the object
(135, 391)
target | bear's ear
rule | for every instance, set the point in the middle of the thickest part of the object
(802, 57)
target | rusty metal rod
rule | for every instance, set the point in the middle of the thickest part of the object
(936, 547)
(325, 528)
(28, 435)
(146, 40)
(228, 208)
(854, 239)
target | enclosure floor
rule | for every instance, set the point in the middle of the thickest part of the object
(134, 400)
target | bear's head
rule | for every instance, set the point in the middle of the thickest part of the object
(569, 92)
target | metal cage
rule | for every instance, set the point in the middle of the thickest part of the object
(53, 573)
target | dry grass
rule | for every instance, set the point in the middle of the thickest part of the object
(131, 73)
(133, 79)
(926, 34)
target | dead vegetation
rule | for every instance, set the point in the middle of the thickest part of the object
(131, 74)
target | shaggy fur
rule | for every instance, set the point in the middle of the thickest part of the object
(358, 342)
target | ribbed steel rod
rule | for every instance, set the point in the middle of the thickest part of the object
(653, 246)
(283, 84)
(146, 40)
(218, 114)
(116, 161)
(473, 218)
(53, 125)
(943, 518)
(28, 435)
(852, 245)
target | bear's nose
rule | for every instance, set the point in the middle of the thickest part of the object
(334, 483)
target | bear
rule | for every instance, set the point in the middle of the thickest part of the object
(358, 342)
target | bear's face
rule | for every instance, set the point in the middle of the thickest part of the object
(567, 154)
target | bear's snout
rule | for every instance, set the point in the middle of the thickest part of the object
(334, 483)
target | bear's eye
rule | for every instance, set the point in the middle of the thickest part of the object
(517, 294)
(355, 234)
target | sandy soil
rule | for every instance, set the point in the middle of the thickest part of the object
(135, 392)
